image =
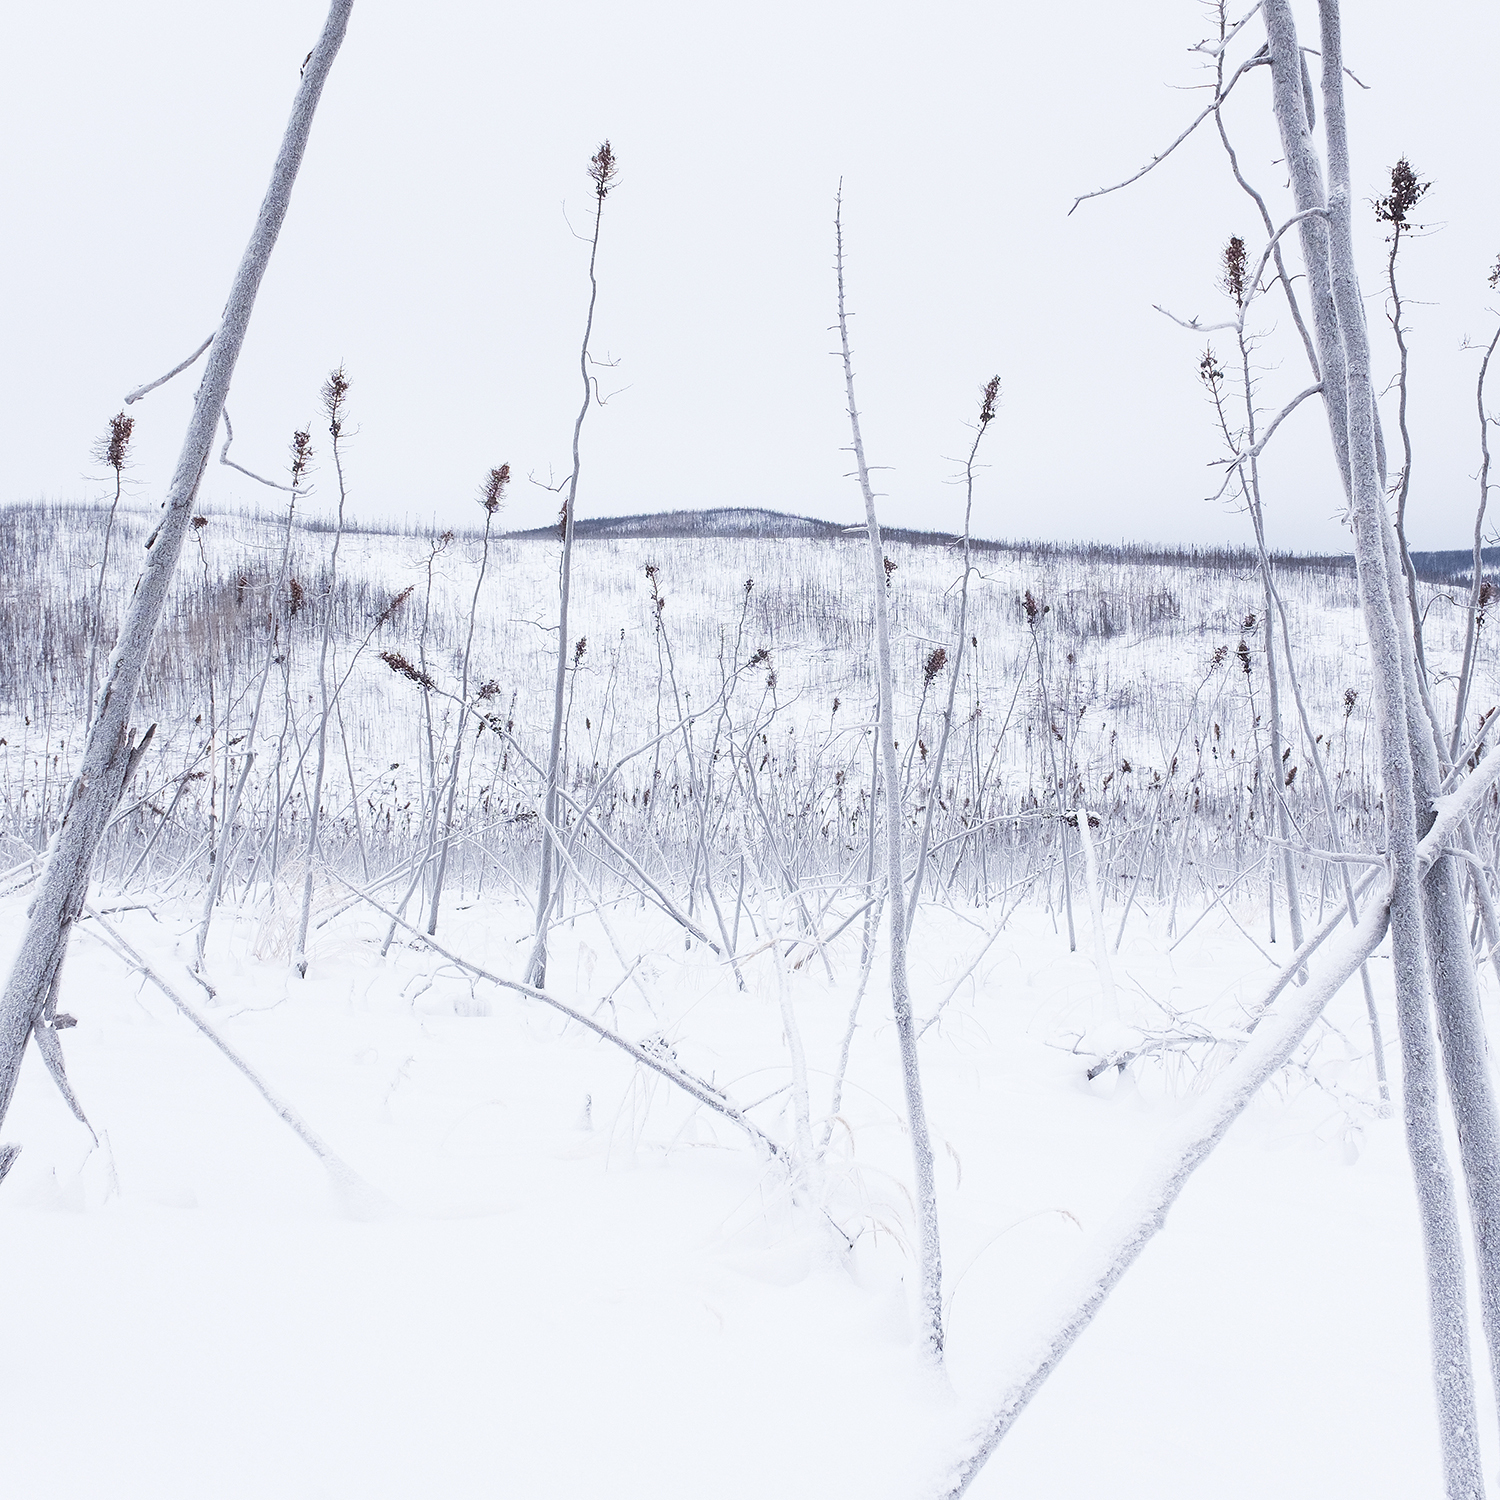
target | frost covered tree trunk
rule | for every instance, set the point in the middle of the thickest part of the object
(1460, 1025)
(108, 752)
(930, 1292)
(1349, 399)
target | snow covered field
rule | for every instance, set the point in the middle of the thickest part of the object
(580, 1286)
(557, 1275)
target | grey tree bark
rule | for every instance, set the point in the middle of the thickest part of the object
(108, 751)
(1349, 399)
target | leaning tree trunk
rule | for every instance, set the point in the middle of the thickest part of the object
(109, 749)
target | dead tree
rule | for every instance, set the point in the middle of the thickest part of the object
(111, 751)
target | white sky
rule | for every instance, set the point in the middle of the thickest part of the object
(427, 248)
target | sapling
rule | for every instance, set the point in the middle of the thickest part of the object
(1035, 611)
(492, 495)
(334, 397)
(113, 449)
(930, 1293)
(1394, 209)
(603, 170)
(989, 394)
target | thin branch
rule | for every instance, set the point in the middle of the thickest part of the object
(228, 462)
(145, 390)
(1255, 62)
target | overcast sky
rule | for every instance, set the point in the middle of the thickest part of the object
(431, 247)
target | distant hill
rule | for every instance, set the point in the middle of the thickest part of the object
(1449, 567)
(1452, 567)
(724, 521)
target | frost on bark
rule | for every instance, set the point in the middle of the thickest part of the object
(1349, 399)
(111, 744)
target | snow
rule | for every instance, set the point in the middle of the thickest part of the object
(590, 1287)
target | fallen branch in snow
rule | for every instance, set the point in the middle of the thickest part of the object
(344, 1176)
(701, 1090)
(1187, 1143)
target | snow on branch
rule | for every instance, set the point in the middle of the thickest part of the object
(1237, 325)
(1255, 62)
(659, 1059)
(229, 463)
(145, 390)
(1256, 449)
(1218, 48)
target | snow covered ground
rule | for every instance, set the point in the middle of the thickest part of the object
(583, 1285)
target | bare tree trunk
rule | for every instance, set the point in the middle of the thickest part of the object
(931, 1273)
(1348, 396)
(108, 752)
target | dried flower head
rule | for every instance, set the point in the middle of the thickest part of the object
(1210, 371)
(579, 647)
(113, 448)
(1235, 269)
(302, 452)
(937, 659)
(988, 395)
(1406, 191)
(333, 395)
(890, 568)
(392, 609)
(492, 491)
(1243, 652)
(1351, 697)
(1034, 608)
(1495, 274)
(298, 596)
(404, 668)
(603, 169)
